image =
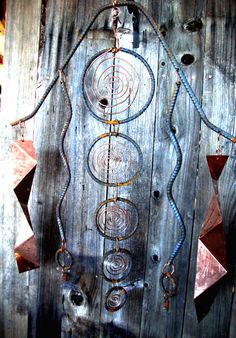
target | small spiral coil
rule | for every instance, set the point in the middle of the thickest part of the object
(116, 218)
(117, 264)
(116, 298)
(114, 159)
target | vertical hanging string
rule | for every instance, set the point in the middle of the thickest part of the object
(63, 256)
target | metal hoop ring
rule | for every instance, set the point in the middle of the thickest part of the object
(172, 279)
(116, 297)
(115, 237)
(140, 160)
(152, 89)
(67, 254)
(129, 267)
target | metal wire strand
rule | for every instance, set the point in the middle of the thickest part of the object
(64, 160)
(174, 175)
(166, 48)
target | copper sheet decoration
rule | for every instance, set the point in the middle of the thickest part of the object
(211, 257)
(23, 173)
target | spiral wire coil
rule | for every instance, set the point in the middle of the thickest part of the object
(116, 218)
(110, 85)
(114, 159)
(117, 264)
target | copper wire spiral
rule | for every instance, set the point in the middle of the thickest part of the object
(115, 298)
(113, 77)
(114, 159)
(115, 155)
(111, 84)
(117, 264)
(116, 218)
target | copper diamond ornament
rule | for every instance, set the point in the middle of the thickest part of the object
(211, 257)
(23, 174)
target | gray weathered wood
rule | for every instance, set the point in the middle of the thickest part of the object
(35, 304)
(21, 55)
(219, 84)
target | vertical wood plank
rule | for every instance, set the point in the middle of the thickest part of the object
(41, 302)
(219, 104)
(18, 94)
(163, 229)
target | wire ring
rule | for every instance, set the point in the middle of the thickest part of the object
(117, 264)
(116, 297)
(173, 283)
(114, 80)
(116, 218)
(63, 259)
(168, 268)
(108, 163)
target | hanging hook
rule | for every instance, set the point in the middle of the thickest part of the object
(218, 148)
(62, 76)
(169, 290)
(115, 12)
(22, 131)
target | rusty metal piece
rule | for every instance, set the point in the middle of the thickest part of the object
(23, 173)
(211, 257)
(216, 164)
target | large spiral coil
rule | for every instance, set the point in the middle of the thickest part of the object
(111, 85)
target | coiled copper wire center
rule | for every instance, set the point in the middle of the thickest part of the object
(117, 264)
(114, 159)
(113, 78)
(115, 298)
(116, 218)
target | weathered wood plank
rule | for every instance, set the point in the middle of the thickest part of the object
(163, 229)
(219, 104)
(18, 93)
(41, 303)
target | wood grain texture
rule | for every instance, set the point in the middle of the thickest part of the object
(164, 232)
(18, 96)
(220, 111)
(41, 306)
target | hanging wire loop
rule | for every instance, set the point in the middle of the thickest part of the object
(218, 148)
(168, 283)
(166, 48)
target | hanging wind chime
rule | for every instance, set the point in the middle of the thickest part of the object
(110, 87)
